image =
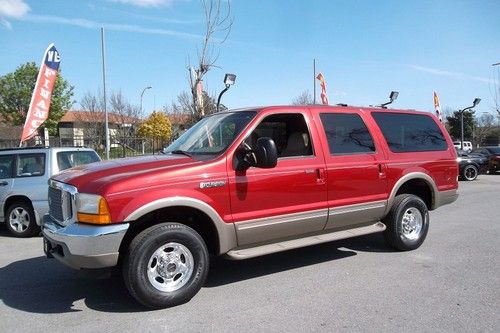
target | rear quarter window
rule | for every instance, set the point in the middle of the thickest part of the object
(410, 132)
(70, 159)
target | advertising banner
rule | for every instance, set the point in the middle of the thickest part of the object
(38, 110)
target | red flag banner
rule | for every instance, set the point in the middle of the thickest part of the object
(38, 111)
(437, 107)
(324, 96)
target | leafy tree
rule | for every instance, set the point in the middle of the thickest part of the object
(157, 127)
(454, 126)
(16, 89)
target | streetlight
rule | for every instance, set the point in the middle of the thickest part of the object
(142, 93)
(229, 80)
(476, 102)
(392, 97)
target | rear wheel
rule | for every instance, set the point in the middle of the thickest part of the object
(407, 223)
(20, 220)
(470, 172)
(166, 265)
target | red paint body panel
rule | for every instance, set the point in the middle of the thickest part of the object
(294, 185)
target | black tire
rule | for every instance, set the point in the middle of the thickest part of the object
(470, 172)
(20, 220)
(149, 249)
(399, 223)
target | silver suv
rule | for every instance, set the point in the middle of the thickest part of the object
(24, 173)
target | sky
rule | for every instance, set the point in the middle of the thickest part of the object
(365, 49)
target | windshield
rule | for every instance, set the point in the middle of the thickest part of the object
(212, 135)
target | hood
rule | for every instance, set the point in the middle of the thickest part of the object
(111, 175)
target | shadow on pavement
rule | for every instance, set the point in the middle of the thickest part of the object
(41, 285)
(225, 271)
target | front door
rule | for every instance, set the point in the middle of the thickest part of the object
(289, 199)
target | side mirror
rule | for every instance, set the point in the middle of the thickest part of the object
(266, 153)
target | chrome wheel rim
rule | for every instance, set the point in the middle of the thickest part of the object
(170, 267)
(412, 224)
(19, 219)
(470, 172)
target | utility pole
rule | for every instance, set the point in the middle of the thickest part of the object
(106, 124)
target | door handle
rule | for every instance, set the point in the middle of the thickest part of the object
(381, 171)
(4, 183)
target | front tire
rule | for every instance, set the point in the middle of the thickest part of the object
(166, 265)
(407, 223)
(20, 218)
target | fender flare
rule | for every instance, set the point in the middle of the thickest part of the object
(225, 231)
(414, 175)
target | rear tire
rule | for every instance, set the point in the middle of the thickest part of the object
(20, 220)
(407, 223)
(166, 265)
(470, 172)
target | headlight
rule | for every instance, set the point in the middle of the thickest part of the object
(92, 208)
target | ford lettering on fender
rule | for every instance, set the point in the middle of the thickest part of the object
(250, 182)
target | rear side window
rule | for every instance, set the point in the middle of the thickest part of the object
(30, 165)
(346, 134)
(6, 166)
(70, 159)
(410, 132)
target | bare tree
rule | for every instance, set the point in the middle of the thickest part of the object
(485, 125)
(304, 98)
(218, 21)
(126, 116)
(89, 120)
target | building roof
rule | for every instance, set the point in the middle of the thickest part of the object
(74, 116)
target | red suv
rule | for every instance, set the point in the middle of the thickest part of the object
(250, 182)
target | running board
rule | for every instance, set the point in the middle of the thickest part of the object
(260, 250)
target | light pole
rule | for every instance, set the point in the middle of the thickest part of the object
(229, 80)
(142, 94)
(476, 102)
(392, 97)
(497, 107)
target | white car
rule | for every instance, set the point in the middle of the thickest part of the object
(24, 173)
(467, 146)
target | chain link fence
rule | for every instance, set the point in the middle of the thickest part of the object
(119, 146)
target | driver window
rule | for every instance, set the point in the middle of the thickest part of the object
(289, 132)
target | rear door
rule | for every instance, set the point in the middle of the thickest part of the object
(356, 170)
(6, 180)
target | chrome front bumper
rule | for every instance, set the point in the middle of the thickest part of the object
(83, 246)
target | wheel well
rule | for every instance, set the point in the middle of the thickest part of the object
(15, 198)
(191, 217)
(420, 188)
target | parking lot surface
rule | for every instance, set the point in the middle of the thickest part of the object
(451, 283)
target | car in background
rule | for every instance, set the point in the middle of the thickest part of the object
(24, 174)
(470, 165)
(493, 156)
(467, 146)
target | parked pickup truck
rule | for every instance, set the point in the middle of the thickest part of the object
(250, 182)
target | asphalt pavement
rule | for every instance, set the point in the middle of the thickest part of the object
(450, 284)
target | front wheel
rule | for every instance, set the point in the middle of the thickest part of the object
(407, 223)
(166, 265)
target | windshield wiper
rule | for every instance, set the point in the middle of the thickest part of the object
(181, 152)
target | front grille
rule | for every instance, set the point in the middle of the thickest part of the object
(55, 204)
(61, 198)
